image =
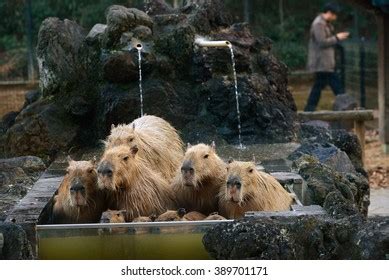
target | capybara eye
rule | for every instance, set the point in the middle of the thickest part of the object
(118, 215)
(206, 156)
(90, 170)
(251, 170)
(131, 139)
(125, 158)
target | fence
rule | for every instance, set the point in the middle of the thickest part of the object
(12, 95)
(360, 71)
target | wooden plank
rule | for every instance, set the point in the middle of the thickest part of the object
(355, 115)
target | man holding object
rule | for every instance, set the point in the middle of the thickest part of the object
(321, 54)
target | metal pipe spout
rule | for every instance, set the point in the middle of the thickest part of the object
(202, 42)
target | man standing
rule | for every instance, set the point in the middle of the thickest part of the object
(321, 54)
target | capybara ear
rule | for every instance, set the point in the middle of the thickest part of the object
(112, 126)
(69, 159)
(213, 145)
(230, 160)
(181, 212)
(134, 150)
(188, 146)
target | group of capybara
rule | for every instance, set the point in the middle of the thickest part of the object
(144, 175)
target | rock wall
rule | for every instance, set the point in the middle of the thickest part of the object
(89, 80)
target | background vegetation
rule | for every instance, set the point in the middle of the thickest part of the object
(286, 22)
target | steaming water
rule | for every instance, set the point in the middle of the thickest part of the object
(236, 97)
(140, 80)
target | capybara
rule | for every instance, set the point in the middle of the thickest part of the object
(248, 189)
(79, 200)
(193, 216)
(199, 179)
(113, 216)
(214, 216)
(171, 215)
(158, 143)
(133, 185)
(144, 219)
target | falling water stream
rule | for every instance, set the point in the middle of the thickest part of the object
(139, 48)
(236, 97)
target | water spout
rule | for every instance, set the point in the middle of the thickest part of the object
(139, 47)
(202, 42)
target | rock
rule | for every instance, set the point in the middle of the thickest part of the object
(344, 102)
(95, 35)
(158, 7)
(29, 164)
(299, 237)
(314, 132)
(31, 97)
(327, 154)
(8, 120)
(16, 245)
(142, 32)
(40, 129)
(17, 175)
(122, 68)
(58, 55)
(322, 180)
(121, 19)
(339, 207)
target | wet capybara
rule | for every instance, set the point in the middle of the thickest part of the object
(214, 216)
(171, 215)
(193, 216)
(78, 198)
(144, 219)
(248, 189)
(113, 216)
(158, 143)
(132, 184)
(198, 181)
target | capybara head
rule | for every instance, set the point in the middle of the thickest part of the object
(171, 215)
(113, 216)
(122, 135)
(200, 162)
(241, 177)
(82, 179)
(115, 167)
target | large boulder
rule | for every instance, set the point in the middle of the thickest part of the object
(16, 245)
(299, 237)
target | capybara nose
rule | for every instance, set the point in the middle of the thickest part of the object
(78, 187)
(234, 181)
(105, 169)
(187, 166)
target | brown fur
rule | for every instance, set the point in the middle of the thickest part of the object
(134, 186)
(171, 215)
(144, 219)
(194, 216)
(214, 216)
(78, 207)
(113, 216)
(259, 192)
(198, 192)
(158, 143)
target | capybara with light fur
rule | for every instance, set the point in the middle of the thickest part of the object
(78, 199)
(248, 189)
(198, 181)
(158, 143)
(194, 216)
(132, 184)
(144, 219)
(113, 216)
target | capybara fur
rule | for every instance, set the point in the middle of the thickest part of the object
(113, 216)
(194, 216)
(78, 199)
(171, 215)
(144, 219)
(214, 216)
(248, 189)
(133, 185)
(158, 143)
(199, 179)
